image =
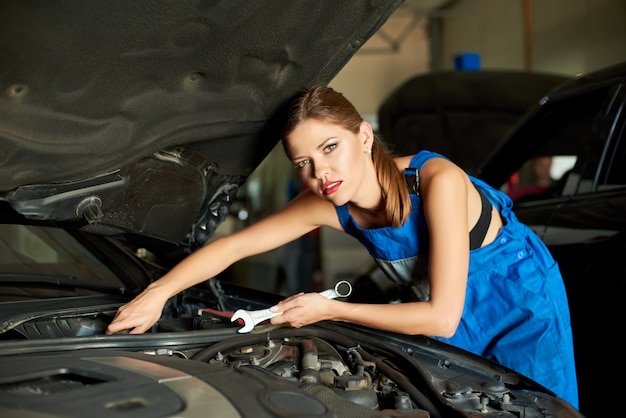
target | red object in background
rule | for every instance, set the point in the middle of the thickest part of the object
(513, 182)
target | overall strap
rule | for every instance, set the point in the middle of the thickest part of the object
(412, 179)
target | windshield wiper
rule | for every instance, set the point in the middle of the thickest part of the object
(54, 281)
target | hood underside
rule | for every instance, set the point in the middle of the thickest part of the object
(96, 92)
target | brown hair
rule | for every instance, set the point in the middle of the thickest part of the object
(325, 104)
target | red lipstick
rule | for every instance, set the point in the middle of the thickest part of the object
(330, 187)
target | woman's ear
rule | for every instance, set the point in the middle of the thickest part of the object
(366, 134)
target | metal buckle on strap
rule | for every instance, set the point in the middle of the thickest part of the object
(412, 178)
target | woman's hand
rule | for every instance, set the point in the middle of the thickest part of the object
(138, 315)
(303, 309)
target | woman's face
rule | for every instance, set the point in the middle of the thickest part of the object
(332, 161)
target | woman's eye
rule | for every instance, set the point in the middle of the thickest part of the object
(301, 164)
(330, 147)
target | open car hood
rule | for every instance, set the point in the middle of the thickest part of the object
(145, 117)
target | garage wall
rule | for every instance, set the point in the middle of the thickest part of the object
(398, 51)
(579, 35)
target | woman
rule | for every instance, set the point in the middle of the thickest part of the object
(484, 282)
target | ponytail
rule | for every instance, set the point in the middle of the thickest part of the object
(392, 184)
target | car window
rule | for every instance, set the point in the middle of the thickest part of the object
(572, 144)
(28, 249)
(600, 165)
(540, 177)
(613, 174)
(617, 164)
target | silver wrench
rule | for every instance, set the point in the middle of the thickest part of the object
(250, 319)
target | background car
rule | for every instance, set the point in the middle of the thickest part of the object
(580, 125)
(126, 130)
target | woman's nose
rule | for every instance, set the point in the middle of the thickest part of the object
(320, 170)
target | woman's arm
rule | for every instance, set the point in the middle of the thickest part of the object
(444, 188)
(302, 215)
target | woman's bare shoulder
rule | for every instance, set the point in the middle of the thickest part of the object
(403, 161)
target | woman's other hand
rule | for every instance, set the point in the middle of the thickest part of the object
(138, 315)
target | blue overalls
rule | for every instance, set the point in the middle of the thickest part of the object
(516, 310)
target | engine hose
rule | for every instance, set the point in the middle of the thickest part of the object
(309, 373)
(358, 359)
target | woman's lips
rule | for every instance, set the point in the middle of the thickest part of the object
(331, 187)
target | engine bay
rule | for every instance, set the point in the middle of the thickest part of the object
(196, 353)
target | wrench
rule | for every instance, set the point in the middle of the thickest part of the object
(342, 289)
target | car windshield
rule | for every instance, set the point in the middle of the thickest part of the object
(30, 252)
(568, 148)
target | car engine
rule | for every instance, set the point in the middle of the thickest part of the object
(60, 363)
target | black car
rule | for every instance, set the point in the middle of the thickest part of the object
(581, 214)
(126, 130)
